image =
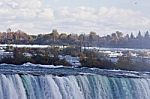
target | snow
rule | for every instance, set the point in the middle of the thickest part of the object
(74, 61)
(27, 54)
(114, 49)
(28, 46)
(39, 65)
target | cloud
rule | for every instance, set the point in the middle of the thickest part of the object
(46, 14)
(82, 13)
(23, 14)
(105, 19)
(34, 17)
(21, 3)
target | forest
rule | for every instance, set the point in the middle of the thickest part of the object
(92, 39)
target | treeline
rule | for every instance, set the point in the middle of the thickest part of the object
(88, 40)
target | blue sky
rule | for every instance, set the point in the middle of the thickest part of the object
(75, 16)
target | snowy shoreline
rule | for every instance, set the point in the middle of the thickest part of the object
(45, 46)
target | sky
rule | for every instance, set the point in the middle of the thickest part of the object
(75, 16)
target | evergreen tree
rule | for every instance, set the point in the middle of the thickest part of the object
(139, 36)
(147, 35)
(132, 36)
(127, 37)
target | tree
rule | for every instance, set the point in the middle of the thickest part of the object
(127, 37)
(92, 36)
(63, 36)
(124, 63)
(139, 36)
(119, 34)
(132, 36)
(54, 35)
(147, 35)
(114, 36)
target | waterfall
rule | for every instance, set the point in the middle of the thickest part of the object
(73, 87)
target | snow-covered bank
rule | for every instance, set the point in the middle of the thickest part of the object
(115, 49)
(97, 48)
(29, 46)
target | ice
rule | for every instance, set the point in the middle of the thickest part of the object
(39, 65)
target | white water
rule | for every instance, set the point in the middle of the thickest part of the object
(73, 87)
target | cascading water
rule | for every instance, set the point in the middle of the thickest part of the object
(73, 87)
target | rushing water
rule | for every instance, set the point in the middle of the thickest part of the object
(73, 87)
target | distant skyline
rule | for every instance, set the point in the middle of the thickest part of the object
(75, 16)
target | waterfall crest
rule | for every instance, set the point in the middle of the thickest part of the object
(73, 87)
